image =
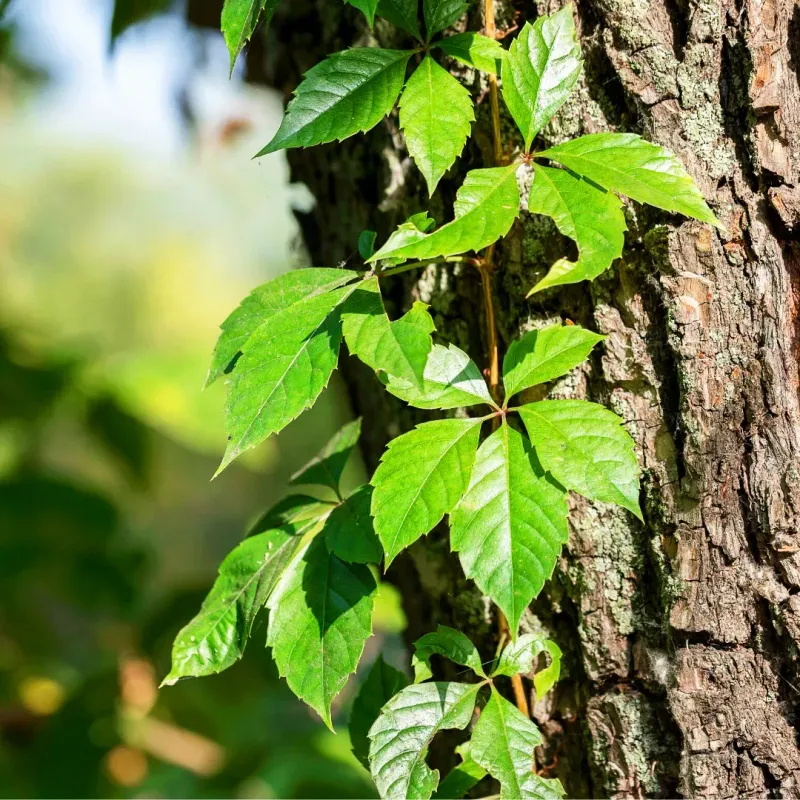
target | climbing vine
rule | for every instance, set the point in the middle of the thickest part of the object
(312, 563)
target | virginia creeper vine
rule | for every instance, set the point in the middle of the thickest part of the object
(312, 562)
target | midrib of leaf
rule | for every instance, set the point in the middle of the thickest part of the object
(508, 508)
(279, 383)
(517, 787)
(242, 38)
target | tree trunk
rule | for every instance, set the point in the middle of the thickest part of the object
(681, 635)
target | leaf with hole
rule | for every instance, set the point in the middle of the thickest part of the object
(421, 477)
(326, 468)
(379, 687)
(641, 170)
(447, 642)
(285, 366)
(474, 50)
(435, 115)
(348, 92)
(518, 657)
(349, 532)
(320, 618)
(540, 356)
(590, 216)
(510, 525)
(266, 301)
(485, 209)
(450, 380)
(585, 447)
(401, 735)
(541, 68)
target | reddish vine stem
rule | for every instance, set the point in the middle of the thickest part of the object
(486, 268)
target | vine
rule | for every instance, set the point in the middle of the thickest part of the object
(311, 563)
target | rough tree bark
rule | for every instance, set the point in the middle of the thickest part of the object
(682, 634)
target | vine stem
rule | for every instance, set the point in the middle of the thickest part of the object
(486, 268)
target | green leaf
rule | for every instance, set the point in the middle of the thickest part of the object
(590, 216)
(295, 510)
(346, 93)
(450, 380)
(509, 527)
(541, 68)
(585, 448)
(366, 7)
(265, 301)
(398, 349)
(215, 639)
(485, 209)
(435, 115)
(403, 14)
(474, 50)
(645, 172)
(239, 20)
(349, 532)
(320, 618)
(503, 743)
(518, 657)
(462, 778)
(421, 477)
(286, 364)
(441, 14)
(380, 686)
(400, 737)
(326, 468)
(539, 356)
(366, 243)
(446, 642)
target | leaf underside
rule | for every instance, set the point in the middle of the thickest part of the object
(239, 20)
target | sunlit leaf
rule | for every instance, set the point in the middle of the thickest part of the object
(346, 93)
(590, 216)
(447, 642)
(518, 657)
(509, 527)
(349, 532)
(541, 68)
(297, 510)
(320, 618)
(435, 115)
(400, 737)
(441, 14)
(539, 356)
(485, 209)
(421, 477)
(265, 301)
(585, 448)
(380, 686)
(327, 466)
(239, 20)
(626, 163)
(474, 50)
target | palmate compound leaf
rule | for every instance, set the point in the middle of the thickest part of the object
(366, 7)
(421, 477)
(450, 380)
(474, 50)
(379, 687)
(485, 209)
(539, 356)
(435, 115)
(346, 93)
(447, 642)
(326, 468)
(402, 14)
(461, 778)
(502, 743)
(541, 68)
(349, 532)
(441, 14)
(590, 216)
(215, 639)
(518, 657)
(511, 523)
(320, 618)
(397, 349)
(239, 20)
(400, 737)
(585, 448)
(262, 303)
(641, 170)
(285, 366)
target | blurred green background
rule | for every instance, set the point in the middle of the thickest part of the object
(132, 220)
